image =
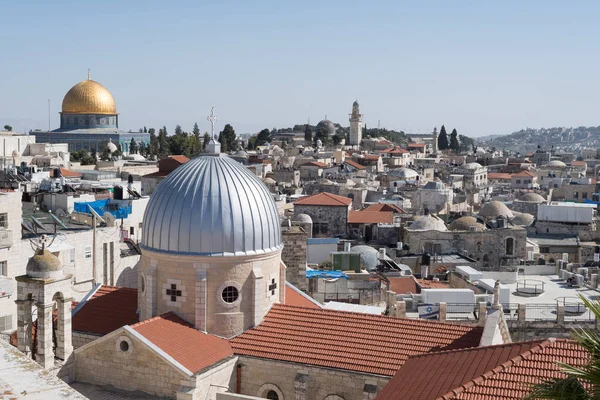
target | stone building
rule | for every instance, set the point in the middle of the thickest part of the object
(482, 239)
(165, 167)
(528, 203)
(89, 120)
(524, 180)
(329, 213)
(214, 315)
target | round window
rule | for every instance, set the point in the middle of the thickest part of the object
(230, 294)
(124, 346)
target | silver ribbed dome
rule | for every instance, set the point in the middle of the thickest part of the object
(211, 206)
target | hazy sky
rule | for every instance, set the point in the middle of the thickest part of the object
(482, 67)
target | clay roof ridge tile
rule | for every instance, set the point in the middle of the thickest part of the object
(161, 316)
(500, 368)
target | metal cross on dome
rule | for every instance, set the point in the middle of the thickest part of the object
(212, 118)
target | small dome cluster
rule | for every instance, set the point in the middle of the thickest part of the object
(466, 224)
(494, 209)
(531, 198)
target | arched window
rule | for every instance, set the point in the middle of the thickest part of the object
(270, 391)
(510, 246)
(478, 247)
(272, 395)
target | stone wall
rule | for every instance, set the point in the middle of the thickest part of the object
(304, 382)
(81, 339)
(294, 256)
(138, 368)
(334, 218)
(534, 330)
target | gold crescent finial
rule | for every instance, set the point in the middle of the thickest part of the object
(89, 74)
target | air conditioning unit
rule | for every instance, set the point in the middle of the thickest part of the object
(5, 239)
(399, 245)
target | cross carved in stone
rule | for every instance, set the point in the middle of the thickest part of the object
(273, 286)
(173, 292)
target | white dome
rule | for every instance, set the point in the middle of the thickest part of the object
(303, 218)
(472, 165)
(427, 223)
(404, 173)
(556, 164)
(111, 147)
(211, 206)
(532, 198)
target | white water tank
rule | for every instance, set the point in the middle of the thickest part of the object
(578, 280)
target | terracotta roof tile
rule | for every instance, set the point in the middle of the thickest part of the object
(431, 284)
(351, 341)
(294, 297)
(355, 164)
(492, 372)
(403, 284)
(576, 163)
(524, 173)
(370, 217)
(499, 176)
(179, 158)
(193, 349)
(314, 164)
(325, 199)
(67, 173)
(385, 207)
(108, 309)
(416, 145)
(394, 150)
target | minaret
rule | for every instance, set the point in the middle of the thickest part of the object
(355, 125)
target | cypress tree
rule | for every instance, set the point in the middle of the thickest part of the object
(443, 139)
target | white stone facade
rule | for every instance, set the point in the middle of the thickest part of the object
(194, 287)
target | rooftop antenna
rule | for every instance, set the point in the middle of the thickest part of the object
(48, 115)
(378, 124)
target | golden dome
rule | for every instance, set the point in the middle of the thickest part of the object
(89, 97)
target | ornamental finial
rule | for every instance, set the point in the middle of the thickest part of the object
(89, 74)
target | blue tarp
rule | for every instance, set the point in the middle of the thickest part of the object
(325, 274)
(102, 206)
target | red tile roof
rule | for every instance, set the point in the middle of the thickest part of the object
(67, 173)
(524, 173)
(325, 199)
(314, 164)
(416, 145)
(193, 349)
(384, 207)
(372, 344)
(576, 163)
(355, 164)
(395, 150)
(370, 217)
(179, 158)
(431, 284)
(499, 176)
(108, 309)
(383, 142)
(293, 297)
(403, 285)
(492, 372)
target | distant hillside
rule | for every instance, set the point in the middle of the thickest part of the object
(528, 139)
